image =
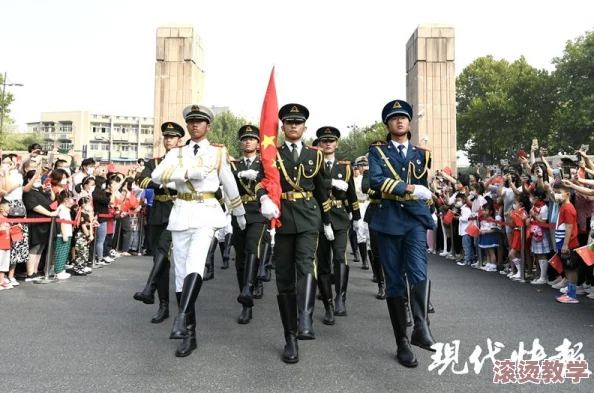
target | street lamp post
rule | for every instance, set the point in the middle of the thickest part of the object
(4, 84)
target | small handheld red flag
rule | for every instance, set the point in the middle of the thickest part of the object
(586, 254)
(555, 262)
(268, 150)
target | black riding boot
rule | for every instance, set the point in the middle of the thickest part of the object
(247, 293)
(226, 252)
(269, 255)
(341, 279)
(397, 309)
(147, 295)
(259, 289)
(287, 305)
(373, 266)
(163, 292)
(190, 291)
(353, 241)
(363, 253)
(419, 300)
(188, 344)
(325, 285)
(381, 286)
(209, 274)
(306, 300)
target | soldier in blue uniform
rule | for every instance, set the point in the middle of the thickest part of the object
(399, 171)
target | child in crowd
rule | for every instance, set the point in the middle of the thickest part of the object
(539, 214)
(62, 243)
(464, 220)
(566, 242)
(520, 209)
(488, 239)
(82, 237)
(5, 249)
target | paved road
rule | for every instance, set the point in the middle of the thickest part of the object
(89, 335)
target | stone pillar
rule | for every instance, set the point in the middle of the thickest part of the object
(179, 77)
(431, 90)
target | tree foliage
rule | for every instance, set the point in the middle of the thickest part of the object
(357, 142)
(5, 100)
(224, 130)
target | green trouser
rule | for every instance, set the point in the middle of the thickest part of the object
(331, 253)
(295, 257)
(61, 251)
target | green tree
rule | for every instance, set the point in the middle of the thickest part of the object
(6, 98)
(502, 106)
(14, 141)
(357, 142)
(574, 77)
(224, 130)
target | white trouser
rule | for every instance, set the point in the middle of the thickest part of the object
(363, 232)
(221, 233)
(190, 249)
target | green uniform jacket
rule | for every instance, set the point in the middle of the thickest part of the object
(305, 175)
(159, 212)
(373, 196)
(339, 216)
(247, 190)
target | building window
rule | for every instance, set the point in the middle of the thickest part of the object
(94, 146)
(34, 129)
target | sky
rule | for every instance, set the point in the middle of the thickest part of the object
(343, 62)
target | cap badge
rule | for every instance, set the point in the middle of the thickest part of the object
(248, 129)
(397, 105)
(327, 131)
(294, 109)
(169, 125)
(195, 108)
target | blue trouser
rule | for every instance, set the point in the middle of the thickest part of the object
(400, 254)
(468, 246)
(100, 234)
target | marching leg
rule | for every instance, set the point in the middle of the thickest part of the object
(363, 253)
(397, 310)
(226, 252)
(325, 285)
(209, 275)
(421, 335)
(190, 291)
(188, 344)
(341, 277)
(251, 268)
(163, 292)
(147, 295)
(306, 299)
(287, 305)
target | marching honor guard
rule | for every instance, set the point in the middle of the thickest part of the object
(399, 170)
(304, 207)
(362, 232)
(248, 173)
(160, 237)
(197, 169)
(343, 202)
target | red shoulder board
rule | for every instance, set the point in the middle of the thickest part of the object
(217, 144)
(379, 144)
(344, 162)
(313, 147)
(235, 160)
(422, 148)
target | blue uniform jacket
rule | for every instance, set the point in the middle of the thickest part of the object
(399, 212)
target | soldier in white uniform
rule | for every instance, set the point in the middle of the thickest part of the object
(363, 230)
(197, 169)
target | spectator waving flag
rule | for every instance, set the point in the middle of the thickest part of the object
(268, 150)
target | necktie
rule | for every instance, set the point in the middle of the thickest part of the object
(401, 150)
(295, 152)
(248, 163)
(328, 167)
(196, 147)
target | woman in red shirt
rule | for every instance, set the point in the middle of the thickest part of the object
(566, 239)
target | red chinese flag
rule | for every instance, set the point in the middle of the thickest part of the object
(586, 254)
(555, 262)
(268, 138)
(473, 230)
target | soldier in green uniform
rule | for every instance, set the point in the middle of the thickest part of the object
(372, 208)
(304, 206)
(160, 237)
(343, 201)
(248, 173)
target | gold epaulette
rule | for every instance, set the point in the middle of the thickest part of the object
(217, 144)
(344, 162)
(379, 144)
(422, 148)
(312, 147)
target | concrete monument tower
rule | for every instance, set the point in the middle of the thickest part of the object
(431, 90)
(179, 76)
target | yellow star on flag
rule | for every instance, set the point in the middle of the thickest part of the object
(268, 141)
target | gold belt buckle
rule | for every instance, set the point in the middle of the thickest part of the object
(290, 196)
(199, 197)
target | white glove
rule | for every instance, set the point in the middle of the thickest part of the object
(170, 185)
(350, 216)
(249, 174)
(272, 233)
(356, 225)
(269, 209)
(422, 192)
(340, 184)
(329, 232)
(241, 222)
(197, 173)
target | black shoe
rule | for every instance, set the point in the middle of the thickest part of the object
(160, 264)
(245, 317)
(246, 297)
(363, 253)
(163, 312)
(419, 300)
(404, 353)
(259, 290)
(306, 300)
(190, 291)
(381, 291)
(287, 305)
(188, 344)
(325, 286)
(341, 279)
